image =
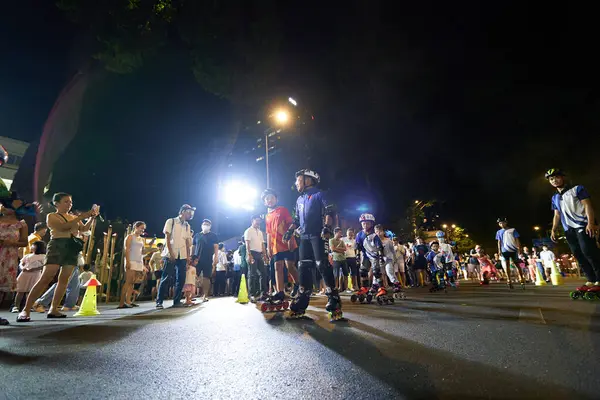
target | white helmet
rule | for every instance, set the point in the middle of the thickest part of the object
(367, 217)
(310, 173)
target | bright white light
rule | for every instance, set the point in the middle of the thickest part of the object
(291, 100)
(282, 116)
(240, 195)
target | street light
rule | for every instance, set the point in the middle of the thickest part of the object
(445, 226)
(282, 116)
(237, 194)
(536, 228)
(453, 226)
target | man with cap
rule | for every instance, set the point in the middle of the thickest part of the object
(206, 247)
(178, 238)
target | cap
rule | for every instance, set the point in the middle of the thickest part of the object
(186, 207)
(206, 221)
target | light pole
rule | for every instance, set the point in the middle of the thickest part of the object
(281, 116)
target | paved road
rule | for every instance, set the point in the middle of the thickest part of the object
(476, 342)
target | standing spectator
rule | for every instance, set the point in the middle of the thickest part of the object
(134, 265)
(178, 237)
(420, 261)
(13, 234)
(547, 258)
(400, 252)
(31, 270)
(237, 272)
(39, 231)
(206, 247)
(63, 252)
(351, 262)
(190, 281)
(221, 271)
(338, 254)
(473, 266)
(156, 267)
(256, 254)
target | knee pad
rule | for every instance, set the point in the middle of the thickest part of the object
(377, 273)
(364, 272)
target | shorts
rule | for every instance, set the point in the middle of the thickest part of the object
(135, 266)
(189, 287)
(204, 268)
(352, 266)
(399, 267)
(158, 274)
(284, 255)
(420, 264)
(511, 255)
(340, 265)
(60, 252)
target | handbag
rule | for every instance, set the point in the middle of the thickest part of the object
(76, 243)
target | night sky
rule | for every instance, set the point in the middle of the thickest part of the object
(468, 105)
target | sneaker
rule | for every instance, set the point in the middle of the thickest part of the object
(177, 305)
(15, 310)
(159, 307)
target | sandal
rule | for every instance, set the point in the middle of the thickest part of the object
(134, 305)
(4, 322)
(56, 316)
(124, 306)
(23, 318)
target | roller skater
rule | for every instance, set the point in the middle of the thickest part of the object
(436, 268)
(508, 246)
(389, 258)
(363, 295)
(447, 257)
(276, 302)
(277, 220)
(572, 206)
(369, 243)
(312, 215)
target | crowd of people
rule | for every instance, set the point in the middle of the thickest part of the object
(298, 256)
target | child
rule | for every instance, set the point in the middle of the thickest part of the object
(436, 266)
(369, 243)
(389, 258)
(189, 288)
(31, 269)
(84, 277)
(488, 269)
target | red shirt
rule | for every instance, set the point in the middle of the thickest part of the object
(278, 221)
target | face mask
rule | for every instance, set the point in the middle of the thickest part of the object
(205, 228)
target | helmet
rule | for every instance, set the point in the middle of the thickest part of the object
(553, 172)
(310, 173)
(366, 217)
(501, 219)
(266, 193)
(440, 234)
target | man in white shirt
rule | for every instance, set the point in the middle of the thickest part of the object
(178, 238)
(547, 258)
(256, 255)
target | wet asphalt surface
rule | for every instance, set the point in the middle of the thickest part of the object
(474, 342)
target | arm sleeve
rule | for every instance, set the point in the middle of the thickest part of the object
(498, 235)
(246, 235)
(553, 201)
(516, 234)
(582, 193)
(168, 226)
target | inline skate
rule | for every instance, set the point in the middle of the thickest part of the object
(382, 296)
(294, 292)
(299, 305)
(363, 295)
(276, 302)
(581, 291)
(593, 293)
(398, 292)
(334, 306)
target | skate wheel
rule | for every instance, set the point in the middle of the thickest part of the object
(285, 305)
(369, 298)
(574, 295)
(589, 296)
(391, 301)
(264, 307)
(278, 307)
(354, 297)
(379, 301)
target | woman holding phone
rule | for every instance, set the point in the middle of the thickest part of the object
(63, 250)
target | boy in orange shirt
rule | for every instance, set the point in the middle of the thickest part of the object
(277, 221)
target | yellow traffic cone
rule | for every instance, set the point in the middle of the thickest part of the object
(350, 283)
(538, 277)
(555, 276)
(243, 293)
(88, 305)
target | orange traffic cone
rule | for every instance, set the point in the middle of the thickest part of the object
(88, 305)
(243, 293)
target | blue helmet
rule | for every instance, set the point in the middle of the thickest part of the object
(440, 234)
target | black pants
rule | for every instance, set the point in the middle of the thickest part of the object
(259, 278)
(235, 286)
(312, 249)
(585, 251)
(219, 289)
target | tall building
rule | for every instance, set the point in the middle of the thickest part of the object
(16, 150)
